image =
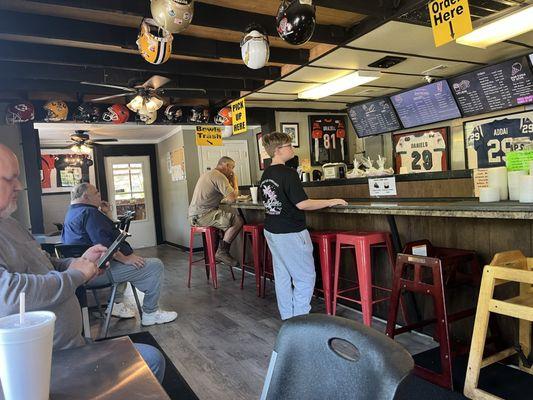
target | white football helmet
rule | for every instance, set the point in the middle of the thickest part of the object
(148, 118)
(255, 49)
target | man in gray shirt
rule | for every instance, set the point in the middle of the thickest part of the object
(49, 284)
(212, 187)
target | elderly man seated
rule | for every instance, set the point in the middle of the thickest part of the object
(86, 225)
(49, 284)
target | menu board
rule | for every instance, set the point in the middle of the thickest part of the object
(496, 87)
(373, 117)
(426, 105)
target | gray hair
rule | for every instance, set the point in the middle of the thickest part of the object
(79, 191)
(225, 160)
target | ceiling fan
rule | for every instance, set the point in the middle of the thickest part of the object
(83, 142)
(152, 87)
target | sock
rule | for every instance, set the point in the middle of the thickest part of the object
(224, 246)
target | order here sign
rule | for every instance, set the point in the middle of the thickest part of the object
(238, 112)
(208, 135)
(450, 19)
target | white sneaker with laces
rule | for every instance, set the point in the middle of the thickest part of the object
(158, 317)
(122, 310)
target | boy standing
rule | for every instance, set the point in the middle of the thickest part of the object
(285, 230)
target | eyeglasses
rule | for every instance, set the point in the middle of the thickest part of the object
(285, 145)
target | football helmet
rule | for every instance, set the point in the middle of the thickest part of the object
(174, 113)
(173, 16)
(255, 49)
(295, 21)
(225, 119)
(22, 111)
(199, 115)
(148, 118)
(56, 111)
(117, 114)
(154, 48)
(87, 113)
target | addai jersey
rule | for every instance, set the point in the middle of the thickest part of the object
(421, 152)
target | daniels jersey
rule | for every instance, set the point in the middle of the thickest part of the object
(421, 152)
(494, 139)
(330, 135)
(70, 172)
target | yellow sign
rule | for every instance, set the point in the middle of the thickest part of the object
(208, 136)
(450, 19)
(238, 112)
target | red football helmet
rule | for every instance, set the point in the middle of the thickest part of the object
(19, 112)
(117, 114)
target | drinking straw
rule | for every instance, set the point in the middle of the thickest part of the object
(22, 310)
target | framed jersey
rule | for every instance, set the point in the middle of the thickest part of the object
(421, 151)
(329, 142)
(488, 140)
(62, 169)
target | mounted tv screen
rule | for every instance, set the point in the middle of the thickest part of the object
(493, 88)
(426, 105)
(373, 117)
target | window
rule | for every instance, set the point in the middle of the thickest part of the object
(129, 189)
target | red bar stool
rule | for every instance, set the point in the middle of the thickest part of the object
(210, 240)
(325, 240)
(361, 243)
(255, 233)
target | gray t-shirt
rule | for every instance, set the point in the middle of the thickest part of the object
(48, 285)
(210, 189)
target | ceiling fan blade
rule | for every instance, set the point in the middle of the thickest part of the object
(177, 89)
(155, 82)
(111, 97)
(109, 86)
(92, 141)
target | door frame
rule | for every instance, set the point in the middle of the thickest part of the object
(119, 150)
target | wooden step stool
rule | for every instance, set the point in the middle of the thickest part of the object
(509, 266)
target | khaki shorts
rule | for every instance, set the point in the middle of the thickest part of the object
(216, 218)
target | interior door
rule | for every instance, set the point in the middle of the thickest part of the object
(236, 149)
(129, 187)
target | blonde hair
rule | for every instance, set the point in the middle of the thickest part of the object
(272, 140)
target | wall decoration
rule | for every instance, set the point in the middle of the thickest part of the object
(293, 130)
(263, 155)
(421, 151)
(176, 164)
(329, 142)
(488, 140)
(62, 169)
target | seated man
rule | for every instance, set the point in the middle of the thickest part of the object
(211, 188)
(49, 284)
(85, 224)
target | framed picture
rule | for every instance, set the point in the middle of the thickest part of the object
(62, 169)
(329, 142)
(421, 151)
(293, 129)
(488, 140)
(261, 152)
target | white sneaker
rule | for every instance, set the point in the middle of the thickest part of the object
(122, 310)
(158, 317)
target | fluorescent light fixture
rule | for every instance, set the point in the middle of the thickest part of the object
(340, 84)
(508, 26)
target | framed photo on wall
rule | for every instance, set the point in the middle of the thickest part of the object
(329, 142)
(62, 169)
(421, 151)
(293, 129)
(488, 140)
(261, 152)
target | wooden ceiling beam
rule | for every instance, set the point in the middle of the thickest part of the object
(49, 54)
(49, 27)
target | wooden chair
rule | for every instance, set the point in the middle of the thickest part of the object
(509, 266)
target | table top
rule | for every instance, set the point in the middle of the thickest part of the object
(458, 209)
(108, 370)
(45, 239)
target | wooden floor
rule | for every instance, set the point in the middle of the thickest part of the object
(222, 340)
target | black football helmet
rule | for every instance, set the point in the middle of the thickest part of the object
(87, 113)
(174, 113)
(199, 115)
(295, 21)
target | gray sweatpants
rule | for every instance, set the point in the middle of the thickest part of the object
(294, 271)
(147, 279)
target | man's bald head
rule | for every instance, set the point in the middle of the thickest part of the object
(9, 181)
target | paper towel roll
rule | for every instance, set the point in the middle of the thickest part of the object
(526, 189)
(488, 195)
(497, 177)
(513, 181)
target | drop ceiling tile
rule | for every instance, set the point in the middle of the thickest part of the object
(311, 105)
(287, 87)
(310, 74)
(526, 38)
(345, 99)
(270, 96)
(369, 91)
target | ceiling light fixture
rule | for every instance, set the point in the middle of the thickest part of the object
(341, 84)
(513, 24)
(145, 104)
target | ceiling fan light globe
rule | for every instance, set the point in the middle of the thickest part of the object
(153, 104)
(136, 104)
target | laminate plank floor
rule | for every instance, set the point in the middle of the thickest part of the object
(222, 340)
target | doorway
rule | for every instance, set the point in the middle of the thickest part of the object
(236, 149)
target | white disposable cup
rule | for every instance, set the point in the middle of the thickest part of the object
(489, 195)
(26, 355)
(513, 181)
(497, 178)
(253, 192)
(526, 189)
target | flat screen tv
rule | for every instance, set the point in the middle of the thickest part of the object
(373, 117)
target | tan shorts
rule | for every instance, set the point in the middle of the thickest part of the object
(216, 218)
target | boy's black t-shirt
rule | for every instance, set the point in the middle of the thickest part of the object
(282, 190)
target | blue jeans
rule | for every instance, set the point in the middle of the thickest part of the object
(294, 271)
(154, 359)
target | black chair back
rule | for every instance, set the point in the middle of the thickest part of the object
(70, 250)
(324, 357)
